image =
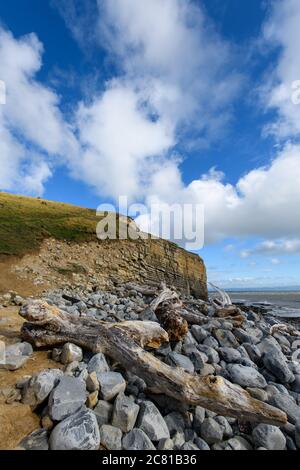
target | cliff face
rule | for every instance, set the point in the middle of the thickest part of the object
(45, 244)
(102, 263)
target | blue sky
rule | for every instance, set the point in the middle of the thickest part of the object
(190, 101)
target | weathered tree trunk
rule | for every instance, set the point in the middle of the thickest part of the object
(124, 343)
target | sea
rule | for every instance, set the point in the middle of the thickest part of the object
(286, 303)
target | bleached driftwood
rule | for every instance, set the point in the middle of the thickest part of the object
(47, 326)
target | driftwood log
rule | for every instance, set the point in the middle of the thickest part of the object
(47, 326)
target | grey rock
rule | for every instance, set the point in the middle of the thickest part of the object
(239, 443)
(179, 360)
(39, 387)
(290, 444)
(269, 345)
(211, 342)
(276, 364)
(246, 376)
(213, 356)
(227, 429)
(111, 437)
(269, 437)
(199, 333)
(37, 440)
(198, 359)
(111, 384)
(152, 423)
(78, 432)
(258, 394)
(178, 440)
(165, 444)
(98, 364)
(199, 417)
(230, 355)
(189, 446)
(251, 335)
(296, 384)
(175, 422)
(253, 352)
(70, 353)
(125, 413)
(211, 431)
(67, 398)
(103, 412)
(201, 444)
(286, 404)
(137, 440)
(226, 338)
(16, 355)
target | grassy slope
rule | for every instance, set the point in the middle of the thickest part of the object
(26, 222)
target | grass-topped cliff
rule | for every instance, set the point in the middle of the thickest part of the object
(43, 230)
(25, 222)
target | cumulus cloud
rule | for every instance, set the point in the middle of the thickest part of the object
(282, 32)
(275, 247)
(32, 128)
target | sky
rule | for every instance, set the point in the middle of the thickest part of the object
(171, 101)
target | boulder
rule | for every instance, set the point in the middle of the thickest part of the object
(39, 387)
(246, 376)
(103, 412)
(137, 440)
(78, 432)
(152, 423)
(111, 437)
(111, 384)
(67, 398)
(269, 437)
(211, 431)
(15, 356)
(125, 413)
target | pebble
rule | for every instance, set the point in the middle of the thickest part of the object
(70, 353)
(92, 382)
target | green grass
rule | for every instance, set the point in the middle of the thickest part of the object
(25, 222)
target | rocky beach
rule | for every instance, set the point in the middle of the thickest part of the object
(92, 402)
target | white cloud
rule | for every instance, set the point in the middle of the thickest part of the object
(274, 247)
(263, 203)
(32, 128)
(282, 31)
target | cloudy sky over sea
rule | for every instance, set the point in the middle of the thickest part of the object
(193, 101)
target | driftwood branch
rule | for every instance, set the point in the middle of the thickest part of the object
(167, 307)
(123, 342)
